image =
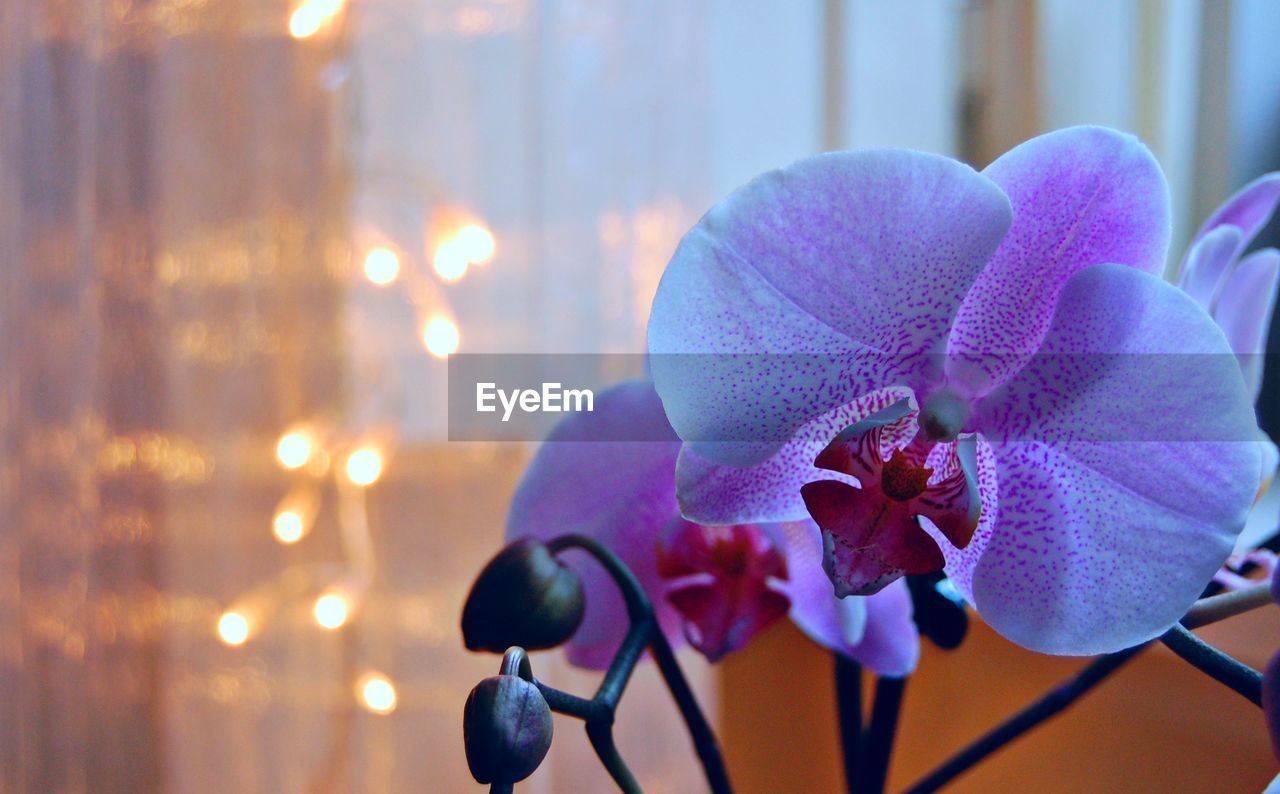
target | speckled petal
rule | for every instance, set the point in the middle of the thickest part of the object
(1127, 462)
(1207, 264)
(813, 285)
(713, 493)
(1244, 311)
(875, 630)
(1248, 210)
(621, 493)
(1081, 196)
(1264, 516)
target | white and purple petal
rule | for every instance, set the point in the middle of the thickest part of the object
(1081, 196)
(1244, 309)
(813, 285)
(1248, 210)
(1127, 462)
(1208, 261)
(714, 493)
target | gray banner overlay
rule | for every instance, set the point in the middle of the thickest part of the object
(1055, 398)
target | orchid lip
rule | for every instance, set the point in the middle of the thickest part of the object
(726, 582)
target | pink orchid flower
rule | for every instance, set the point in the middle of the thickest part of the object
(976, 372)
(714, 586)
(1239, 291)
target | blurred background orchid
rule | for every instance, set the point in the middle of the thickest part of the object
(716, 587)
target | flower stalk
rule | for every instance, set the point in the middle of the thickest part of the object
(849, 711)
(1205, 657)
(1235, 675)
(598, 712)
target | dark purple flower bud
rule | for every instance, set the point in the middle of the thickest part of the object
(506, 728)
(524, 597)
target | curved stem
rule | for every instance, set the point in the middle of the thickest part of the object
(1052, 704)
(1226, 605)
(624, 661)
(1236, 675)
(874, 766)
(644, 631)
(704, 739)
(849, 711)
(564, 703)
(638, 606)
(601, 736)
(516, 662)
(1222, 667)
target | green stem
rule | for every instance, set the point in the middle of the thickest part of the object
(1048, 706)
(704, 739)
(886, 707)
(1237, 676)
(849, 710)
(645, 631)
(624, 662)
(601, 736)
(1226, 605)
(638, 606)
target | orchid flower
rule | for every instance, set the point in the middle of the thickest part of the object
(1240, 293)
(1238, 290)
(717, 587)
(976, 372)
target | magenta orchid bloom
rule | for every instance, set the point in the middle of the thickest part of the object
(976, 372)
(716, 586)
(1238, 290)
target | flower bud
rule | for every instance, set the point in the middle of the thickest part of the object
(506, 728)
(523, 597)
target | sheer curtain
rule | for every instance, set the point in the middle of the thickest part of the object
(191, 191)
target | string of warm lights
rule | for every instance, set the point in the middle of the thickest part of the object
(455, 242)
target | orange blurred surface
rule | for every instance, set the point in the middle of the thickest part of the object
(1156, 725)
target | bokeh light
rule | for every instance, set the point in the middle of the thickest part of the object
(308, 18)
(288, 526)
(441, 337)
(364, 466)
(293, 450)
(382, 266)
(331, 610)
(475, 243)
(376, 693)
(233, 628)
(450, 260)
